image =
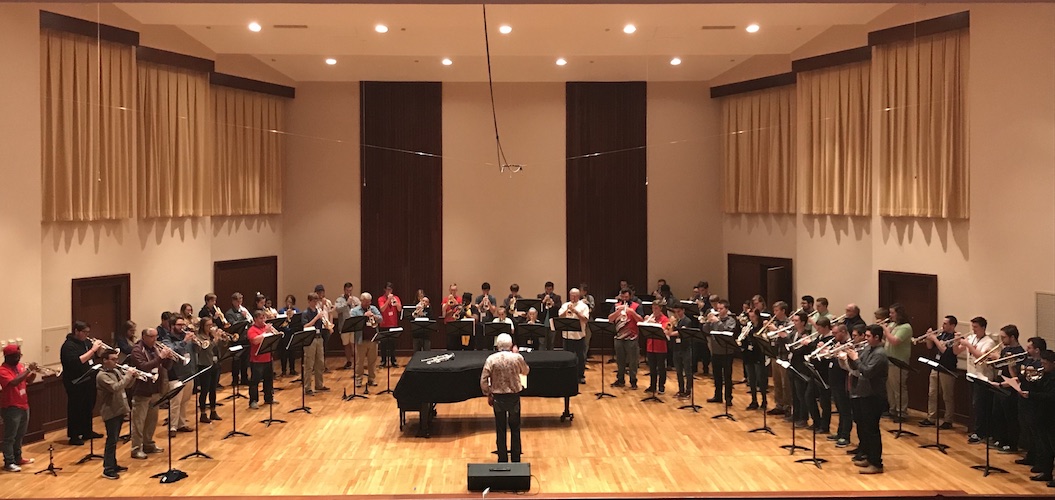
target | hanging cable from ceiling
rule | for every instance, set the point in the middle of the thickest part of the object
(503, 164)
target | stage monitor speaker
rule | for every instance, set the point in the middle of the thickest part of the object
(505, 476)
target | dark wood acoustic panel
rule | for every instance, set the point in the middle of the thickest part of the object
(105, 303)
(927, 27)
(605, 174)
(919, 294)
(401, 127)
(770, 277)
(247, 276)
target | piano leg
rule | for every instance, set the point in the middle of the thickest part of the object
(567, 415)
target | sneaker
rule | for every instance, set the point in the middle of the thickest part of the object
(650, 390)
(832, 437)
(139, 455)
(1023, 461)
(662, 390)
(842, 443)
(121, 468)
(310, 392)
(374, 384)
(12, 468)
(358, 383)
(272, 402)
(824, 432)
(26, 461)
(1006, 449)
(974, 439)
(293, 373)
(109, 474)
(946, 426)
(871, 469)
(254, 406)
(926, 423)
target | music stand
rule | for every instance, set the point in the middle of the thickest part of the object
(934, 366)
(530, 332)
(523, 305)
(268, 345)
(390, 334)
(172, 475)
(422, 328)
(815, 375)
(604, 327)
(653, 332)
(561, 325)
(493, 330)
(767, 350)
(997, 391)
(692, 335)
(300, 340)
(197, 422)
(729, 340)
(352, 325)
(238, 328)
(83, 379)
(792, 447)
(233, 353)
(902, 375)
(463, 328)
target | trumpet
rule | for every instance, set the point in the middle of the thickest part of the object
(883, 321)
(419, 310)
(803, 342)
(841, 348)
(140, 374)
(547, 301)
(839, 320)
(1006, 360)
(1033, 374)
(371, 321)
(175, 355)
(816, 352)
(438, 359)
(102, 345)
(985, 357)
(218, 314)
(202, 343)
(43, 371)
(776, 333)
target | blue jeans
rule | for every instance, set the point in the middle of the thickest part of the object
(113, 432)
(16, 421)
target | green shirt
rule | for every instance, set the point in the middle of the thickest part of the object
(903, 350)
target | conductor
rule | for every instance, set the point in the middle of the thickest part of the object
(500, 382)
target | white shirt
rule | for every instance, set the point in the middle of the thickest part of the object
(983, 344)
(584, 310)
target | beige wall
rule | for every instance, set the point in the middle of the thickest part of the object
(990, 265)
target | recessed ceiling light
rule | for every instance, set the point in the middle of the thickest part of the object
(561, 61)
(331, 61)
(254, 26)
(630, 28)
(676, 61)
(447, 61)
(380, 28)
(752, 28)
(505, 29)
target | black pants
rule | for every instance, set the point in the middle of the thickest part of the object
(388, 351)
(701, 353)
(842, 403)
(816, 395)
(657, 365)
(507, 415)
(1005, 420)
(262, 371)
(798, 404)
(207, 390)
(80, 401)
(867, 412)
(982, 408)
(757, 380)
(723, 376)
(579, 348)
(683, 368)
(1044, 442)
(113, 433)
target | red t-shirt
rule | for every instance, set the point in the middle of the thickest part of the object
(389, 317)
(15, 395)
(448, 314)
(655, 345)
(255, 332)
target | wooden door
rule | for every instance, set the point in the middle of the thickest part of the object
(104, 302)
(919, 294)
(770, 277)
(247, 276)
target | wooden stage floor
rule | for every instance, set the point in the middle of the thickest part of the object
(614, 447)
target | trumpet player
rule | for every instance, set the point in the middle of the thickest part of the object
(112, 385)
(782, 389)
(239, 314)
(314, 361)
(942, 346)
(344, 305)
(147, 357)
(837, 380)
(486, 303)
(180, 341)
(260, 364)
(127, 340)
(1028, 408)
(818, 397)
(76, 355)
(211, 310)
(207, 345)
(625, 318)
(1005, 428)
(868, 373)
(897, 333)
(820, 310)
(575, 341)
(390, 307)
(14, 406)
(979, 346)
(365, 346)
(1038, 390)
(754, 359)
(451, 307)
(722, 352)
(551, 304)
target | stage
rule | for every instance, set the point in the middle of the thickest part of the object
(615, 447)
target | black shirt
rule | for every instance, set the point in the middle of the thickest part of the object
(946, 359)
(1010, 351)
(70, 353)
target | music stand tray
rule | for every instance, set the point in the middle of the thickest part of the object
(493, 330)
(464, 329)
(524, 304)
(422, 328)
(561, 325)
(530, 332)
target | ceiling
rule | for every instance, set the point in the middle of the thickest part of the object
(708, 38)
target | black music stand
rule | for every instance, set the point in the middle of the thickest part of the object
(603, 327)
(692, 335)
(997, 391)
(792, 447)
(352, 325)
(300, 340)
(269, 345)
(83, 379)
(197, 449)
(652, 332)
(233, 353)
(524, 304)
(172, 475)
(767, 350)
(390, 334)
(530, 332)
(493, 330)
(239, 328)
(561, 325)
(902, 375)
(815, 375)
(422, 328)
(729, 339)
(465, 329)
(934, 366)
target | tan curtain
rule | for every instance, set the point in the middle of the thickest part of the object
(835, 168)
(248, 152)
(758, 152)
(175, 177)
(88, 128)
(922, 94)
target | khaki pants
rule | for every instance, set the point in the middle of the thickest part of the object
(366, 358)
(144, 421)
(897, 390)
(782, 390)
(947, 395)
(314, 364)
(178, 405)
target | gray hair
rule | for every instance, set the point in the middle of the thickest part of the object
(504, 342)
